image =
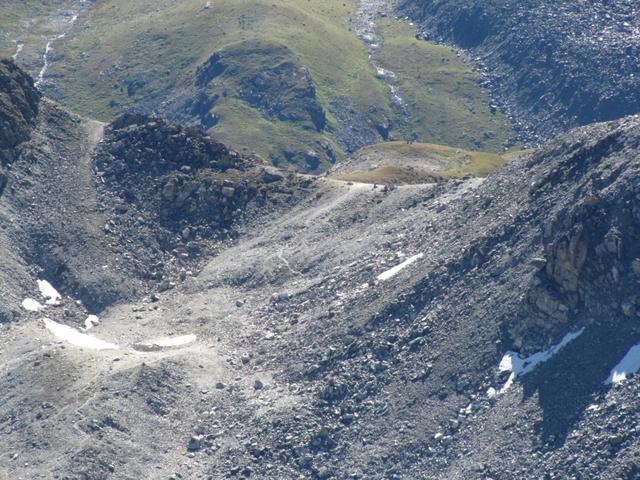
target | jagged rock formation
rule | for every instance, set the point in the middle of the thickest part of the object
(535, 54)
(181, 178)
(18, 108)
(591, 258)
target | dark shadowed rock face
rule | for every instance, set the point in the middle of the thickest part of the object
(590, 266)
(536, 53)
(18, 109)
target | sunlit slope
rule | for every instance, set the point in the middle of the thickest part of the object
(444, 100)
(129, 54)
(287, 80)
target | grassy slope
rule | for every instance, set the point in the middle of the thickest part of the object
(444, 162)
(444, 101)
(163, 43)
(390, 174)
(14, 16)
(26, 21)
(32, 24)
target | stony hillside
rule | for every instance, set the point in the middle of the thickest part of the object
(207, 316)
(553, 64)
(110, 211)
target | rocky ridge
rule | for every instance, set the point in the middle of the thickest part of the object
(423, 353)
(18, 109)
(181, 190)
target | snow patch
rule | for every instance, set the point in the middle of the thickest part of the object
(166, 342)
(31, 305)
(175, 341)
(74, 337)
(511, 361)
(392, 272)
(49, 293)
(90, 322)
(19, 48)
(629, 365)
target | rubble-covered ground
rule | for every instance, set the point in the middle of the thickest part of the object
(286, 327)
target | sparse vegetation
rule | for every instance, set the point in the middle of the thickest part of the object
(444, 101)
(143, 55)
(392, 174)
(160, 45)
(411, 163)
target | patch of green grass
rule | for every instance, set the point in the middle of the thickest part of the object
(26, 22)
(427, 160)
(391, 175)
(413, 150)
(14, 22)
(245, 128)
(444, 101)
(31, 23)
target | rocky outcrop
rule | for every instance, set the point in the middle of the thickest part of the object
(282, 89)
(591, 250)
(534, 54)
(356, 130)
(18, 109)
(180, 177)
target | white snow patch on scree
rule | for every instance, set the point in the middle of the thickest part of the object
(31, 305)
(162, 343)
(19, 48)
(629, 365)
(392, 272)
(90, 322)
(74, 337)
(175, 341)
(49, 293)
(511, 362)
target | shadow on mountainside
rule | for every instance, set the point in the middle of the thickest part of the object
(566, 386)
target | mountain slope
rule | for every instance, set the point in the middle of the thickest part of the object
(331, 329)
(311, 57)
(535, 53)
